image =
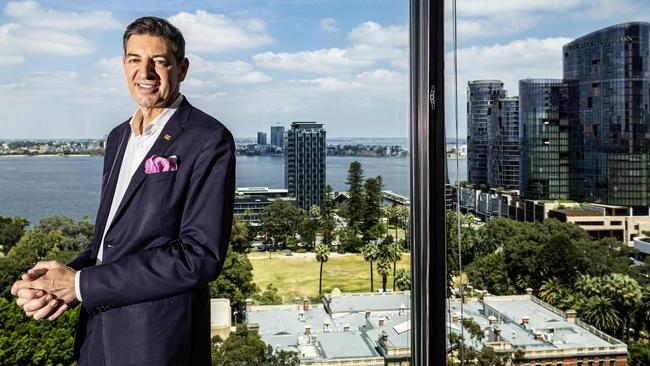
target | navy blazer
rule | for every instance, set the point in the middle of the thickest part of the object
(148, 302)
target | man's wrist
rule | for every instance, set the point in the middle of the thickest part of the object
(77, 285)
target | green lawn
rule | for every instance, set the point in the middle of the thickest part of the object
(298, 276)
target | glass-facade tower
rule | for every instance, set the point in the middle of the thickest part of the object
(482, 95)
(277, 136)
(304, 163)
(610, 72)
(544, 132)
(503, 144)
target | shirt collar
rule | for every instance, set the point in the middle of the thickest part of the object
(157, 123)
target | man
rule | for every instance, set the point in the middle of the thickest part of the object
(162, 228)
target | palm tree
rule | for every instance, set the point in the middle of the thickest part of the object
(625, 294)
(322, 255)
(600, 312)
(370, 253)
(383, 268)
(394, 253)
(551, 291)
(403, 279)
(642, 313)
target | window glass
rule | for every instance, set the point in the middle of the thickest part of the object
(547, 135)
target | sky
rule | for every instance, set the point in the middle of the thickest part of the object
(254, 64)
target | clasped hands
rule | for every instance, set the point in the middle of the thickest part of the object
(46, 291)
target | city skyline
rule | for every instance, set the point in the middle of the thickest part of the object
(295, 62)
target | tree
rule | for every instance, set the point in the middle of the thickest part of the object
(639, 353)
(383, 268)
(559, 258)
(268, 297)
(392, 214)
(280, 221)
(326, 218)
(600, 312)
(239, 236)
(349, 240)
(372, 206)
(370, 252)
(245, 347)
(403, 279)
(353, 208)
(11, 229)
(395, 254)
(24, 341)
(489, 273)
(76, 235)
(235, 281)
(552, 291)
(322, 255)
(308, 226)
(625, 294)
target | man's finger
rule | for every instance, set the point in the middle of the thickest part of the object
(37, 304)
(47, 310)
(34, 273)
(62, 309)
(30, 293)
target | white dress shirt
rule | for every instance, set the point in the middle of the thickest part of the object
(136, 151)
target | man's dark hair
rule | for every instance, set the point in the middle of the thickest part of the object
(159, 28)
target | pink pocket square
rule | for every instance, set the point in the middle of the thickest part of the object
(158, 164)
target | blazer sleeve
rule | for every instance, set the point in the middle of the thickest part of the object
(192, 260)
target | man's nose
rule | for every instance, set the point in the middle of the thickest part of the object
(147, 69)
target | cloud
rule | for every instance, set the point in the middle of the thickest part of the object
(605, 9)
(371, 33)
(11, 60)
(229, 72)
(31, 14)
(209, 33)
(328, 25)
(326, 60)
(17, 40)
(481, 18)
(370, 43)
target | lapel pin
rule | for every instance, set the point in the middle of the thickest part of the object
(167, 137)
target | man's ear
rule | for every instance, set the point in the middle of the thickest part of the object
(184, 66)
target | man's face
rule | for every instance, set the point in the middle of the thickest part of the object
(152, 72)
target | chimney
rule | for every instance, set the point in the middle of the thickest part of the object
(346, 327)
(249, 304)
(524, 321)
(326, 325)
(538, 335)
(367, 314)
(492, 319)
(384, 336)
(305, 303)
(465, 297)
(308, 330)
(301, 315)
(571, 316)
(402, 309)
(381, 322)
(529, 293)
(296, 301)
(497, 333)
(254, 327)
(455, 317)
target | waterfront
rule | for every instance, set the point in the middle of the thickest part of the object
(37, 187)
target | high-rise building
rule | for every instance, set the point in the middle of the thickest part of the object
(261, 138)
(481, 98)
(503, 144)
(277, 136)
(544, 131)
(610, 73)
(304, 163)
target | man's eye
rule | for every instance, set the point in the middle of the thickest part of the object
(133, 60)
(161, 62)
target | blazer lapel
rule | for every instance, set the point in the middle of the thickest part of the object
(173, 128)
(108, 190)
